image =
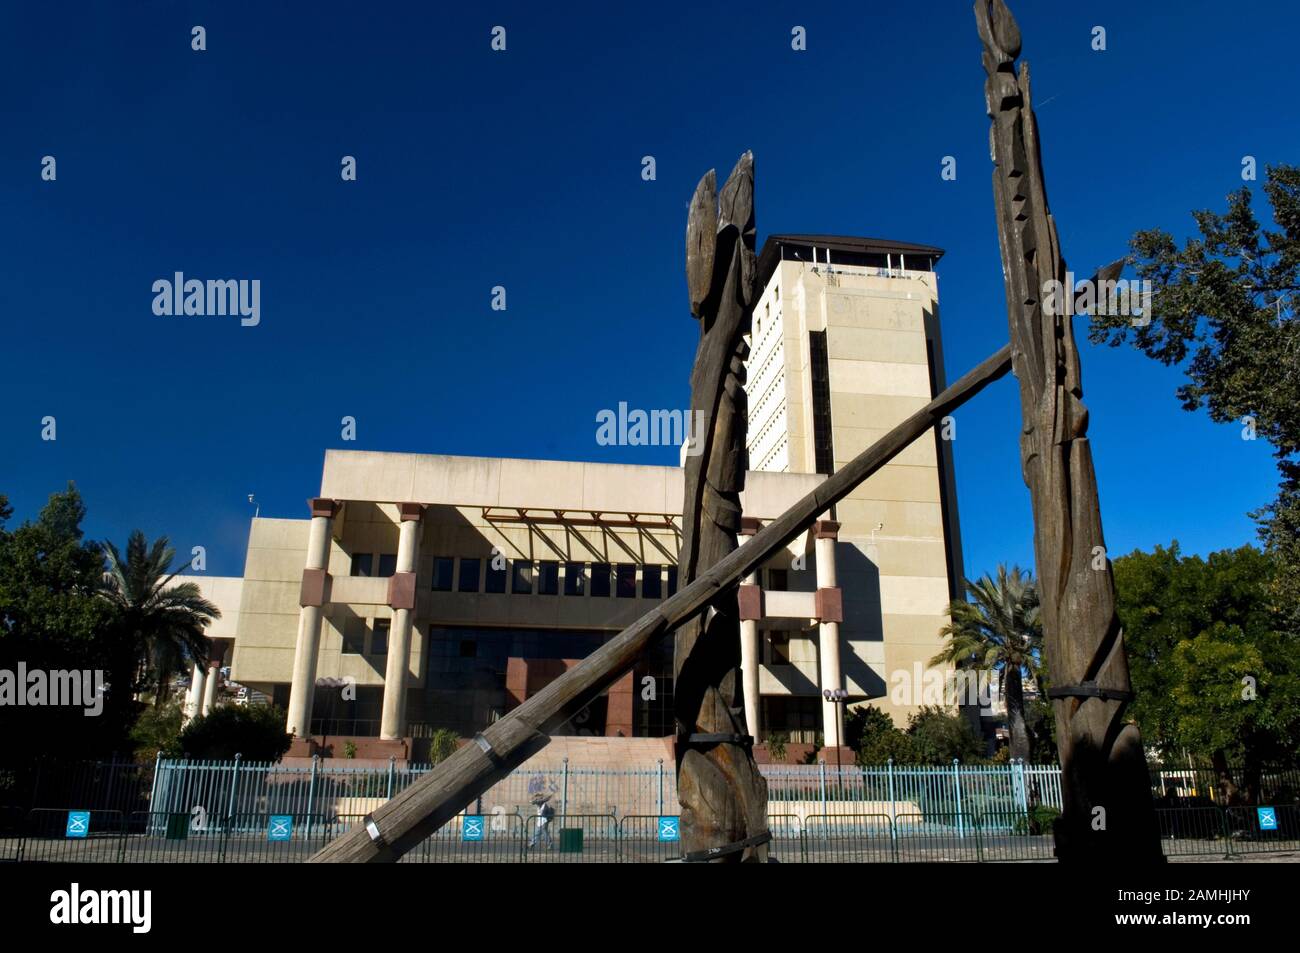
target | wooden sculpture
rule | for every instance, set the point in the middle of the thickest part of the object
(1108, 812)
(723, 796)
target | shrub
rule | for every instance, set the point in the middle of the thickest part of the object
(256, 732)
(776, 742)
(442, 745)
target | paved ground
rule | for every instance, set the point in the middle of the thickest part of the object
(255, 848)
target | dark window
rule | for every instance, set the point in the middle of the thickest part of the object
(354, 636)
(626, 579)
(387, 564)
(600, 580)
(522, 581)
(672, 580)
(820, 375)
(778, 647)
(379, 637)
(442, 573)
(496, 578)
(575, 579)
(651, 581)
(468, 648)
(468, 575)
(548, 577)
(778, 580)
(362, 564)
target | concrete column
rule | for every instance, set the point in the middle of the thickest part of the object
(315, 577)
(194, 697)
(210, 687)
(401, 597)
(749, 658)
(830, 612)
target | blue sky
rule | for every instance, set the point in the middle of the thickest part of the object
(522, 169)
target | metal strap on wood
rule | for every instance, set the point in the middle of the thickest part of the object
(1090, 690)
(710, 853)
(719, 738)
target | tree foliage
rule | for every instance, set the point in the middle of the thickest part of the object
(165, 623)
(1214, 669)
(998, 630)
(1225, 309)
(256, 732)
(934, 735)
(51, 618)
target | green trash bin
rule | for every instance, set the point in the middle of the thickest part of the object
(570, 840)
(178, 826)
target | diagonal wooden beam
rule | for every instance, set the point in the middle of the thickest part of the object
(410, 817)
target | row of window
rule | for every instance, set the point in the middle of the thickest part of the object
(354, 636)
(776, 646)
(542, 577)
(550, 577)
(533, 577)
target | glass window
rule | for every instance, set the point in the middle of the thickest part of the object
(575, 579)
(387, 565)
(354, 636)
(362, 564)
(468, 575)
(442, 573)
(626, 580)
(468, 648)
(548, 577)
(672, 580)
(522, 581)
(778, 647)
(819, 374)
(496, 578)
(600, 580)
(778, 580)
(379, 637)
(651, 581)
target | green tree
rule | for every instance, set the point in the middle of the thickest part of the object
(254, 731)
(864, 723)
(51, 617)
(1225, 310)
(1213, 670)
(933, 736)
(938, 736)
(442, 745)
(165, 623)
(157, 731)
(998, 631)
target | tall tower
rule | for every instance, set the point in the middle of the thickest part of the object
(845, 345)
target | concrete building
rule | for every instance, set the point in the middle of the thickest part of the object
(845, 345)
(426, 592)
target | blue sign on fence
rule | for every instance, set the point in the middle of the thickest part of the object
(471, 827)
(280, 828)
(78, 824)
(669, 829)
(1267, 818)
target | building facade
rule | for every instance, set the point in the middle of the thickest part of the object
(429, 592)
(846, 345)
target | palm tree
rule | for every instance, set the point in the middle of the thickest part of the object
(998, 630)
(163, 624)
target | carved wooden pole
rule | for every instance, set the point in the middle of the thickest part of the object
(1108, 812)
(723, 796)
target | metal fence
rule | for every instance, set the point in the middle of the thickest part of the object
(331, 788)
(336, 786)
(816, 811)
(57, 835)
